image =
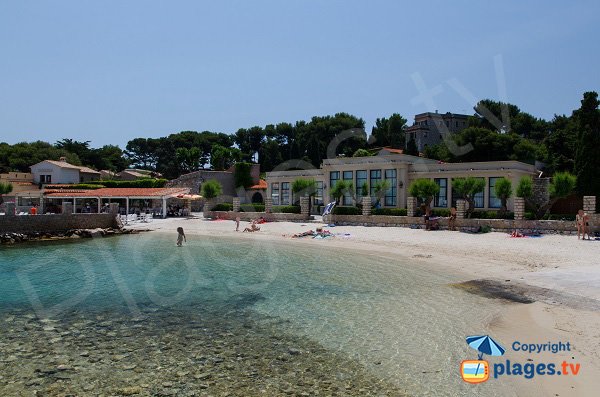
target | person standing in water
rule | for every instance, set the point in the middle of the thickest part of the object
(180, 237)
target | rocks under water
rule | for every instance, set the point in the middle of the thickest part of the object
(166, 352)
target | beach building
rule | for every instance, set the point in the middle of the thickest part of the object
(61, 172)
(256, 193)
(400, 170)
(155, 201)
(429, 128)
(25, 192)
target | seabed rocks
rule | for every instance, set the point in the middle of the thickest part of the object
(13, 238)
(196, 352)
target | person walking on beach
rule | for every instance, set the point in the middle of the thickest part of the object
(583, 223)
(452, 219)
(180, 236)
(237, 223)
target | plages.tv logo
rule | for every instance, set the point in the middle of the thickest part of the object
(478, 371)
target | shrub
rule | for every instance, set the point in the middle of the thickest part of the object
(492, 215)
(211, 189)
(389, 211)
(525, 187)
(223, 207)
(467, 188)
(443, 212)
(347, 211)
(287, 209)
(424, 190)
(82, 186)
(503, 190)
(252, 207)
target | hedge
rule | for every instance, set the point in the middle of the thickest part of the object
(223, 207)
(252, 207)
(389, 211)
(287, 209)
(139, 183)
(347, 211)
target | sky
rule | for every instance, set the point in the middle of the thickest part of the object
(110, 71)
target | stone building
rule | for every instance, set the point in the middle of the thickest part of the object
(400, 170)
(429, 128)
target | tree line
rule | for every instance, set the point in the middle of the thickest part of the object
(496, 131)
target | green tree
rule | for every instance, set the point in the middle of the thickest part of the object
(587, 160)
(379, 188)
(562, 185)
(525, 188)
(424, 190)
(340, 189)
(361, 153)
(503, 190)
(467, 188)
(303, 188)
(411, 148)
(5, 188)
(242, 176)
(364, 190)
(211, 189)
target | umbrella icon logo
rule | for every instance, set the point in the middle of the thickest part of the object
(478, 371)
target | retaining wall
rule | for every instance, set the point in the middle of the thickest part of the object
(55, 223)
(248, 216)
(499, 225)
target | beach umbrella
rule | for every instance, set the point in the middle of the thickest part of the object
(484, 344)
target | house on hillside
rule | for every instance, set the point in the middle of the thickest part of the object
(59, 172)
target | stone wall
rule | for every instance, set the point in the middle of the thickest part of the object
(55, 223)
(248, 216)
(499, 225)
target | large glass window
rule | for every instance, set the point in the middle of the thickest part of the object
(275, 193)
(285, 193)
(334, 176)
(392, 192)
(494, 202)
(479, 198)
(347, 176)
(319, 193)
(441, 199)
(375, 178)
(361, 179)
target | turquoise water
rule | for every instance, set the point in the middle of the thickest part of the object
(403, 323)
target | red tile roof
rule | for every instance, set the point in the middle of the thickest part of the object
(119, 192)
(262, 184)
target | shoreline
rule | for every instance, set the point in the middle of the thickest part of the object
(555, 272)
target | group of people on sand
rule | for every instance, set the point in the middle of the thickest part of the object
(318, 233)
(253, 224)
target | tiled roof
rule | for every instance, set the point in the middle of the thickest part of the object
(119, 192)
(392, 150)
(262, 184)
(64, 164)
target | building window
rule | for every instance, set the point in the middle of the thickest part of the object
(347, 176)
(275, 193)
(375, 178)
(319, 194)
(494, 202)
(285, 193)
(392, 192)
(479, 199)
(361, 179)
(334, 176)
(45, 178)
(441, 199)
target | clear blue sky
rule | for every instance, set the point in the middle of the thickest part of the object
(110, 71)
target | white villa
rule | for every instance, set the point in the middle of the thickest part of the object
(61, 172)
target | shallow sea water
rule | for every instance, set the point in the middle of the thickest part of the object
(135, 315)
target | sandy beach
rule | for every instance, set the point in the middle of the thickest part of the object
(560, 274)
